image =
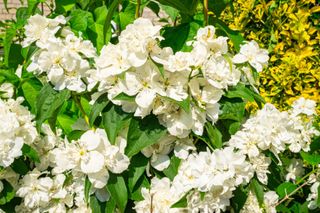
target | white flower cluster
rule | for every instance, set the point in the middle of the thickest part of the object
(216, 174)
(92, 155)
(270, 129)
(159, 80)
(210, 178)
(16, 129)
(57, 182)
(61, 55)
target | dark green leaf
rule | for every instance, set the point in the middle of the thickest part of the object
(30, 153)
(172, 170)
(118, 190)
(114, 120)
(154, 7)
(239, 199)
(285, 189)
(137, 167)
(7, 193)
(175, 37)
(19, 166)
(214, 134)
(258, 191)
(217, 6)
(7, 42)
(143, 133)
(48, 101)
(111, 205)
(87, 187)
(234, 111)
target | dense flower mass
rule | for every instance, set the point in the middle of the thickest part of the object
(17, 129)
(159, 81)
(62, 56)
(144, 127)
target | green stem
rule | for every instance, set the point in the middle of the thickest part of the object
(205, 11)
(138, 9)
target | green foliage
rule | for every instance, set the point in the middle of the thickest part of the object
(118, 190)
(143, 133)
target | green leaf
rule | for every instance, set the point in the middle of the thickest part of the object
(217, 6)
(80, 20)
(240, 91)
(285, 189)
(124, 97)
(175, 37)
(32, 6)
(8, 41)
(63, 6)
(182, 203)
(239, 199)
(215, 135)
(143, 133)
(258, 191)
(235, 36)
(184, 6)
(66, 122)
(30, 153)
(48, 101)
(31, 89)
(136, 194)
(114, 121)
(234, 127)
(75, 135)
(234, 111)
(21, 17)
(107, 23)
(97, 108)
(154, 7)
(172, 170)
(184, 104)
(118, 190)
(318, 198)
(19, 166)
(10, 76)
(87, 188)
(127, 16)
(7, 193)
(312, 159)
(97, 206)
(137, 167)
(110, 205)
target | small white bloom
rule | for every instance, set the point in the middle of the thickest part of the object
(251, 52)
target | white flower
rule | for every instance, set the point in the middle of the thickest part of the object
(260, 166)
(206, 35)
(221, 74)
(41, 29)
(6, 90)
(313, 196)
(295, 169)
(157, 197)
(112, 61)
(251, 52)
(270, 200)
(35, 191)
(159, 152)
(304, 106)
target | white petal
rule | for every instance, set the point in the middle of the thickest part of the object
(160, 162)
(92, 162)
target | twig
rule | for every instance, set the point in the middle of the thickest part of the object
(292, 193)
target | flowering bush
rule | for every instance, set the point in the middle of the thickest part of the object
(105, 111)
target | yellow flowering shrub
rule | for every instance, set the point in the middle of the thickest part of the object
(290, 30)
